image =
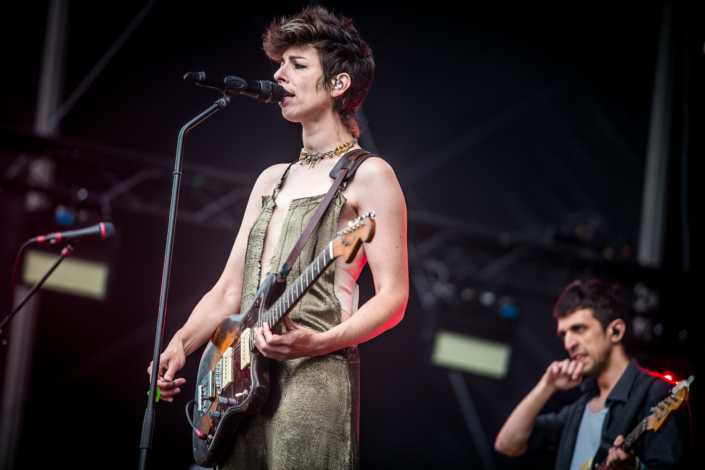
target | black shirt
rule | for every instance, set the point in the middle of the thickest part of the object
(670, 448)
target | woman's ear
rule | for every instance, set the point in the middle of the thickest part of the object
(340, 84)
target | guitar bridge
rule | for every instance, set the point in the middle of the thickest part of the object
(245, 355)
(206, 393)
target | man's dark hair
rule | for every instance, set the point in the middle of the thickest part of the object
(340, 48)
(602, 298)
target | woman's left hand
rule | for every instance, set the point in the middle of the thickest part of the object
(294, 343)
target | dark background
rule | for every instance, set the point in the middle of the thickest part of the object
(508, 127)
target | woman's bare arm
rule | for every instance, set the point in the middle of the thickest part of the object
(222, 300)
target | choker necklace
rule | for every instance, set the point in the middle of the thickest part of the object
(314, 157)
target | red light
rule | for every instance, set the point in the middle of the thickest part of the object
(668, 375)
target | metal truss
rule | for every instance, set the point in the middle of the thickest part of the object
(101, 178)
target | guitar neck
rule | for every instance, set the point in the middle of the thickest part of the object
(296, 290)
(630, 439)
(635, 434)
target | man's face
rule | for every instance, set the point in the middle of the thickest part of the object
(585, 340)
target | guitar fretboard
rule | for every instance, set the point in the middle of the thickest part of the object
(295, 291)
(631, 438)
(635, 434)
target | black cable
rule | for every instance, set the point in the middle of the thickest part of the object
(197, 431)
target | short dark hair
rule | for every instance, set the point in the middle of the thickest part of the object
(340, 48)
(603, 299)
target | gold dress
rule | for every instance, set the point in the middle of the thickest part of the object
(310, 420)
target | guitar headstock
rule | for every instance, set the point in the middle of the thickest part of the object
(349, 240)
(661, 413)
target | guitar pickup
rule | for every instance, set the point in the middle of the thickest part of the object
(226, 377)
(245, 357)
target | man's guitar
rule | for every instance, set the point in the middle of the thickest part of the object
(659, 417)
(233, 377)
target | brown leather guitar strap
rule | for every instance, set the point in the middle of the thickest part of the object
(343, 172)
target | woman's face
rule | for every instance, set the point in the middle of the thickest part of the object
(299, 73)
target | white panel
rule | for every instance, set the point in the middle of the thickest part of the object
(470, 354)
(73, 276)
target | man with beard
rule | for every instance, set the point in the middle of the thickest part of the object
(618, 394)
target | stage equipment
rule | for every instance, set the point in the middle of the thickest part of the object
(149, 415)
(65, 253)
(263, 90)
(470, 354)
(77, 276)
(103, 230)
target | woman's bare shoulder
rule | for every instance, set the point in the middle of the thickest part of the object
(375, 170)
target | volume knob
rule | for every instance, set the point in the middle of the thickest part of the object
(224, 401)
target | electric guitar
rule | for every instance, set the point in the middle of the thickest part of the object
(233, 377)
(659, 417)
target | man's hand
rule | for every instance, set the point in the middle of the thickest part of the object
(294, 343)
(564, 375)
(170, 362)
(617, 459)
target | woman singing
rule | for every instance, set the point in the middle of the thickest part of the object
(310, 418)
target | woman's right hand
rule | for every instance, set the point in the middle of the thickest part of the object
(170, 362)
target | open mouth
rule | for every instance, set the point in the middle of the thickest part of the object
(287, 97)
(579, 357)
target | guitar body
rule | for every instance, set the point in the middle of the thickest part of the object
(587, 465)
(249, 387)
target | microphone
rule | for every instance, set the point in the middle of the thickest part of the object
(104, 230)
(263, 90)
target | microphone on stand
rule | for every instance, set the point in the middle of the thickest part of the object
(104, 230)
(263, 90)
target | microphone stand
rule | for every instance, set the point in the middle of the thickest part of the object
(149, 415)
(65, 253)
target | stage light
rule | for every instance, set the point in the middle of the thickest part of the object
(64, 216)
(471, 354)
(507, 308)
(467, 294)
(74, 276)
(487, 298)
